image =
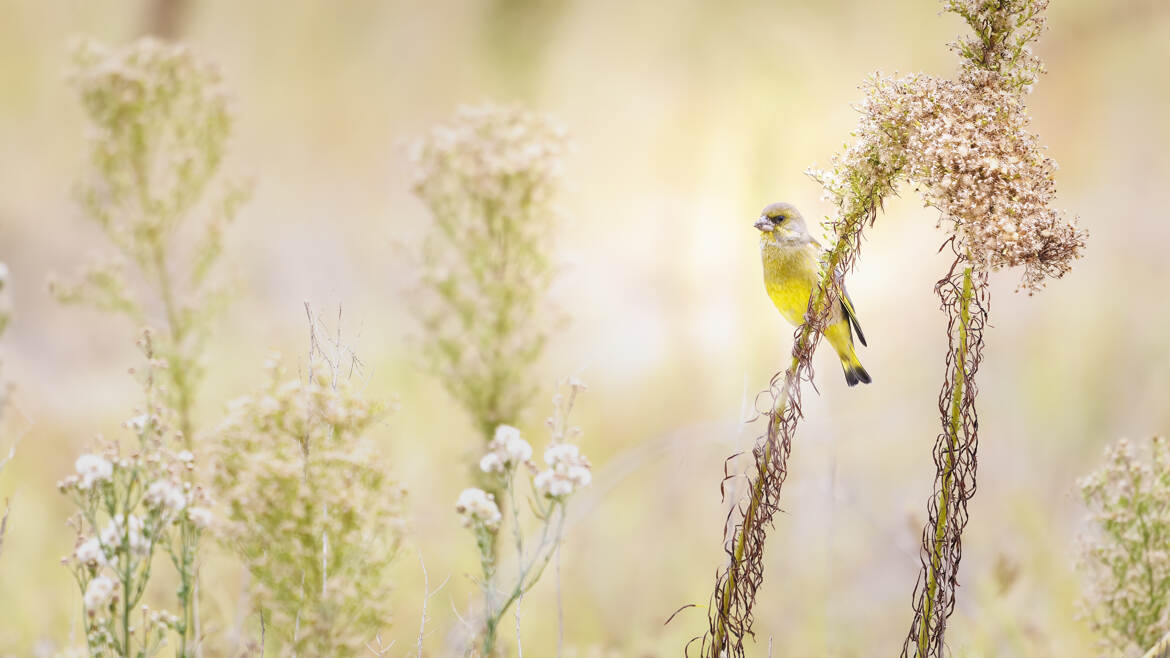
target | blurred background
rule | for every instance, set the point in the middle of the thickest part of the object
(688, 117)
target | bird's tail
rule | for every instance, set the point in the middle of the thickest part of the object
(854, 371)
(841, 339)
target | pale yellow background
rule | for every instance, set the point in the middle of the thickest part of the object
(688, 117)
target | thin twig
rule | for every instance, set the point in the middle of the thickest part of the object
(427, 594)
(560, 605)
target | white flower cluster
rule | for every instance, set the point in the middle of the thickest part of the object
(166, 496)
(99, 594)
(139, 423)
(568, 470)
(91, 553)
(201, 517)
(478, 509)
(506, 451)
(117, 529)
(91, 470)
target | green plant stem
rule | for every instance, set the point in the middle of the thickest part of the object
(185, 564)
(944, 495)
(528, 577)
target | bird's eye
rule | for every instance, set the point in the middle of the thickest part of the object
(777, 219)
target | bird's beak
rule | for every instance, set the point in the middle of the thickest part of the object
(764, 224)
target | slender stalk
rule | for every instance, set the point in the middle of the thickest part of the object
(516, 531)
(749, 516)
(944, 494)
(528, 577)
(781, 425)
(178, 331)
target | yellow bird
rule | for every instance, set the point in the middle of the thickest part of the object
(792, 270)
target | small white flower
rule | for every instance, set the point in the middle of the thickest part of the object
(568, 471)
(92, 469)
(186, 457)
(164, 494)
(99, 592)
(115, 530)
(201, 517)
(491, 463)
(138, 423)
(506, 451)
(90, 553)
(478, 508)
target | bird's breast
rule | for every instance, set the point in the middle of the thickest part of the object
(789, 276)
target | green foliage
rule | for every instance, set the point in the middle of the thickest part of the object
(314, 515)
(159, 125)
(1125, 555)
(489, 179)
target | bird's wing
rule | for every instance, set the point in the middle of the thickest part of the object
(846, 302)
(847, 307)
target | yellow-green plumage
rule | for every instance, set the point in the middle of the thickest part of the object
(792, 269)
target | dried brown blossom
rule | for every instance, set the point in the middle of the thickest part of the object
(965, 146)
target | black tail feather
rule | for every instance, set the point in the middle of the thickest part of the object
(856, 374)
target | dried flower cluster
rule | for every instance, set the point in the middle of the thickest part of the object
(965, 145)
(489, 178)
(313, 511)
(159, 125)
(1126, 552)
(508, 455)
(133, 503)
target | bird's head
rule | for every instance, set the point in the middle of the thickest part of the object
(782, 221)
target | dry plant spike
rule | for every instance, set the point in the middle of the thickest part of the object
(159, 126)
(964, 297)
(964, 144)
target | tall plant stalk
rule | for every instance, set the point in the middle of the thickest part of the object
(965, 145)
(964, 298)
